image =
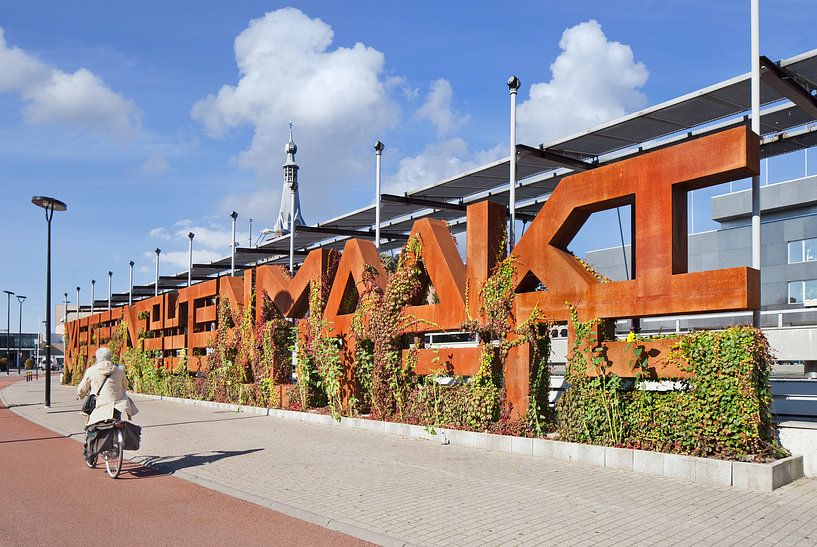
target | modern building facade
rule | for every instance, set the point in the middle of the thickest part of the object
(20, 347)
(788, 264)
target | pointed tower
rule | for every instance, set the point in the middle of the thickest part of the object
(282, 223)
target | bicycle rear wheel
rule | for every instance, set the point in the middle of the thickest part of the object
(114, 457)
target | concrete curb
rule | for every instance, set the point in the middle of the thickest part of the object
(759, 477)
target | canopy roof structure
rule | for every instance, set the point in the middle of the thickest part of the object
(787, 121)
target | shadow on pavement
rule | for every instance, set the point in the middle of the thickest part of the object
(192, 422)
(171, 463)
(34, 439)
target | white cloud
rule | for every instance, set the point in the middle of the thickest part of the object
(212, 236)
(262, 205)
(154, 166)
(159, 233)
(593, 81)
(288, 71)
(52, 96)
(437, 108)
(436, 162)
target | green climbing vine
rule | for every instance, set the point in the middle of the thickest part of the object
(723, 410)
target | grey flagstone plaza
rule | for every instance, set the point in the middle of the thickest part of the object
(392, 490)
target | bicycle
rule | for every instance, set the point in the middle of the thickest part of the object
(113, 456)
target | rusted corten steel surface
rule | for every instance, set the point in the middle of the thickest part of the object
(654, 184)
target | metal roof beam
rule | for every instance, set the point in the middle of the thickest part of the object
(257, 250)
(554, 157)
(351, 233)
(785, 82)
(430, 203)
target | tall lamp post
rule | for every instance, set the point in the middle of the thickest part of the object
(93, 294)
(513, 87)
(130, 283)
(156, 288)
(65, 303)
(78, 349)
(8, 330)
(190, 236)
(378, 151)
(233, 216)
(50, 205)
(20, 299)
(110, 278)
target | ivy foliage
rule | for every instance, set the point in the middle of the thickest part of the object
(723, 410)
(379, 325)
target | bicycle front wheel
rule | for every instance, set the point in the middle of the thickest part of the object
(114, 457)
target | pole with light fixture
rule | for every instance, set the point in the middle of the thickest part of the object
(190, 236)
(8, 330)
(50, 205)
(20, 299)
(233, 216)
(513, 87)
(65, 302)
(130, 283)
(755, 102)
(156, 287)
(378, 151)
(110, 279)
(93, 294)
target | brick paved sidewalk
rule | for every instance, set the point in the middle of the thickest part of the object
(388, 489)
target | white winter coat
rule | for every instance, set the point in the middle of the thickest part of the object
(113, 395)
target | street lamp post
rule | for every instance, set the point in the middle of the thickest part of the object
(130, 283)
(513, 87)
(250, 242)
(50, 205)
(8, 330)
(156, 287)
(293, 187)
(190, 235)
(110, 277)
(65, 302)
(93, 294)
(76, 355)
(233, 216)
(378, 150)
(20, 299)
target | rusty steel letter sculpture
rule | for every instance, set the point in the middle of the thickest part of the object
(654, 184)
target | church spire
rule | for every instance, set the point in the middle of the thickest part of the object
(283, 222)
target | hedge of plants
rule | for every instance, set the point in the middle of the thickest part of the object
(722, 410)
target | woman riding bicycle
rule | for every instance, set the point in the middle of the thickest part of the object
(110, 384)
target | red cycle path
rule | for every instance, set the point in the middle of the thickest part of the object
(49, 496)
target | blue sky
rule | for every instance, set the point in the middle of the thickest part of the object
(151, 119)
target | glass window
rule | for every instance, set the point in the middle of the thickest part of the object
(810, 290)
(803, 250)
(795, 252)
(795, 292)
(810, 250)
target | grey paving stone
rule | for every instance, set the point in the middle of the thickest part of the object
(393, 490)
